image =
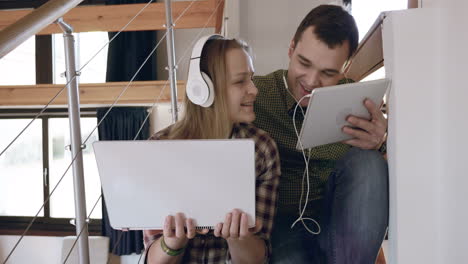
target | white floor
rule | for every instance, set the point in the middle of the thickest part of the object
(49, 250)
(130, 259)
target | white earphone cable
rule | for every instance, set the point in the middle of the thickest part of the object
(301, 217)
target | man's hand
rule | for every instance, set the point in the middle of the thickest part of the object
(370, 134)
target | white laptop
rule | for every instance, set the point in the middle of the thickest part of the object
(144, 181)
(330, 106)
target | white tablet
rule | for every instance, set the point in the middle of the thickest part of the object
(144, 181)
(330, 106)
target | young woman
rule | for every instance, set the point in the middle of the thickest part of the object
(229, 66)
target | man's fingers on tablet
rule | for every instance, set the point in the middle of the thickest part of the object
(372, 108)
(356, 133)
(361, 123)
(370, 133)
(375, 111)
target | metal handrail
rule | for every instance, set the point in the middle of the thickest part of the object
(31, 24)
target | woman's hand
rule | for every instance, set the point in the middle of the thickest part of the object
(236, 226)
(178, 230)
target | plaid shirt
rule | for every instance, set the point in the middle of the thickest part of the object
(274, 109)
(211, 249)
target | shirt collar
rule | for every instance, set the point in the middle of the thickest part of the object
(236, 127)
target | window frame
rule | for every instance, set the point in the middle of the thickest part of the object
(44, 225)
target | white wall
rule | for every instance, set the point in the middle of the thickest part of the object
(411, 140)
(427, 131)
(454, 180)
(32, 249)
(268, 26)
(161, 117)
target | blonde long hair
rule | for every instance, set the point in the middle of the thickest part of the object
(209, 122)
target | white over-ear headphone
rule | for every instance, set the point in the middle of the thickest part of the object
(200, 88)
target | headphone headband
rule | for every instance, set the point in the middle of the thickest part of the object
(198, 47)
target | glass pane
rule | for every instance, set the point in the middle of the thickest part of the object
(88, 44)
(378, 74)
(365, 12)
(19, 66)
(21, 181)
(62, 203)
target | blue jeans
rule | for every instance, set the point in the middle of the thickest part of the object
(354, 217)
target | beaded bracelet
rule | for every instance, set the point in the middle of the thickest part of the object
(169, 251)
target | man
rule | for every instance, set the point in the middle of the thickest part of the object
(349, 180)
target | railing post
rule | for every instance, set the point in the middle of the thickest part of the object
(171, 59)
(76, 145)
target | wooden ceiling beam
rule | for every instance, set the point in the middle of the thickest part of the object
(113, 18)
(369, 54)
(140, 92)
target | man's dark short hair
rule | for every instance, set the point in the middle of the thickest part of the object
(332, 25)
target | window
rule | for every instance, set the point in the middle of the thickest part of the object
(365, 13)
(33, 165)
(60, 158)
(87, 45)
(21, 192)
(19, 64)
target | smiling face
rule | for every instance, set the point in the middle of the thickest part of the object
(314, 64)
(241, 91)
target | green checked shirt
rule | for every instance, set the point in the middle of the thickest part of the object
(274, 109)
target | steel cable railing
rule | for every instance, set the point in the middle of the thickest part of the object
(81, 69)
(115, 101)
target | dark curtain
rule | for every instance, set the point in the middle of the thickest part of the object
(122, 124)
(126, 54)
(128, 51)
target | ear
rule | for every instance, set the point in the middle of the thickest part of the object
(292, 46)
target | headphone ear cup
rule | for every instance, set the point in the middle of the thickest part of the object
(211, 92)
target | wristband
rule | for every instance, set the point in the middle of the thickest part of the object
(169, 251)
